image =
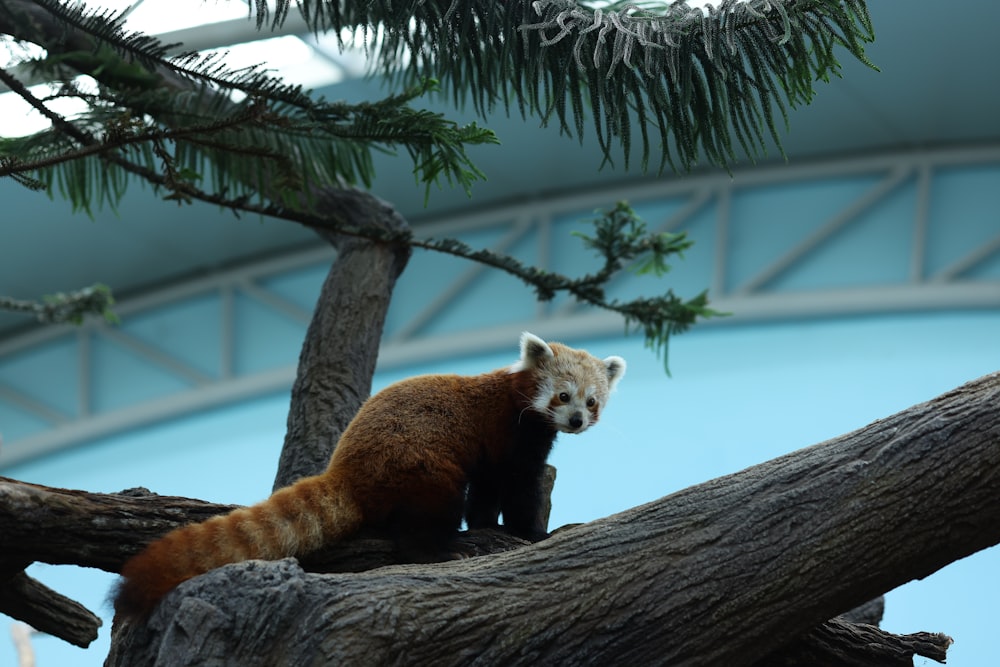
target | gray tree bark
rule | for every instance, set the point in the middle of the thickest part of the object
(726, 572)
(341, 346)
(101, 530)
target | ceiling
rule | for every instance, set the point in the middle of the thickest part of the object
(938, 85)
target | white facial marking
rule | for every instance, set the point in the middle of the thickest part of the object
(566, 405)
(560, 371)
(544, 396)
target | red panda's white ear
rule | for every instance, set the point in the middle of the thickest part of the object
(534, 350)
(616, 370)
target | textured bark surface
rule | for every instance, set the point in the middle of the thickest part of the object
(210, 610)
(341, 346)
(32, 602)
(62, 526)
(102, 530)
(844, 644)
(726, 572)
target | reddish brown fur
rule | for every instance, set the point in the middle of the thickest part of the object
(405, 459)
(293, 521)
(375, 467)
(377, 451)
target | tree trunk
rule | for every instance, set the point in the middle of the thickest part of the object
(341, 346)
(726, 572)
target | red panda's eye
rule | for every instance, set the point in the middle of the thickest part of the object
(591, 402)
(564, 397)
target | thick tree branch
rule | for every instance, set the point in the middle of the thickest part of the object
(341, 346)
(759, 558)
(766, 554)
(62, 526)
(27, 600)
(101, 530)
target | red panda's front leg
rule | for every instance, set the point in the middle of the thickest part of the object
(482, 502)
(423, 537)
(520, 485)
(521, 501)
(515, 489)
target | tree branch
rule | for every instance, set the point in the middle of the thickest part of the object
(338, 355)
(768, 554)
(845, 644)
(63, 307)
(27, 600)
(63, 526)
(760, 558)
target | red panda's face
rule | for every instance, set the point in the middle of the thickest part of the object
(571, 386)
(572, 408)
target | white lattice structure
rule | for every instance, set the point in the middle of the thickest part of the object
(902, 232)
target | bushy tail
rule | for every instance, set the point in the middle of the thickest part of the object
(294, 521)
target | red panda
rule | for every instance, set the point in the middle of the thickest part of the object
(418, 457)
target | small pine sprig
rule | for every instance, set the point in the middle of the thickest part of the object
(67, 307)
(621, 238)
(622, 241)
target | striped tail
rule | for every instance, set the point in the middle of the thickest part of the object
(294, 521)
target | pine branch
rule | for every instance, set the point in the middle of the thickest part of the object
(620, 239)
(690, 79)
(294, 152)
(304, 141)
(172, 125)
(622, 242)
(69, 307)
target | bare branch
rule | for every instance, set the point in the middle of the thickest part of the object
(845, 644)
(27, 600)
(66, 307)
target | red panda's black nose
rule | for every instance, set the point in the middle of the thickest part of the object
(576, 420)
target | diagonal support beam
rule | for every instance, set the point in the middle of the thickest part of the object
(35, 407)
(459, 285)
(826, 231)
(956, 269)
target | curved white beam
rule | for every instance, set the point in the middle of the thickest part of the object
(451, 320)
